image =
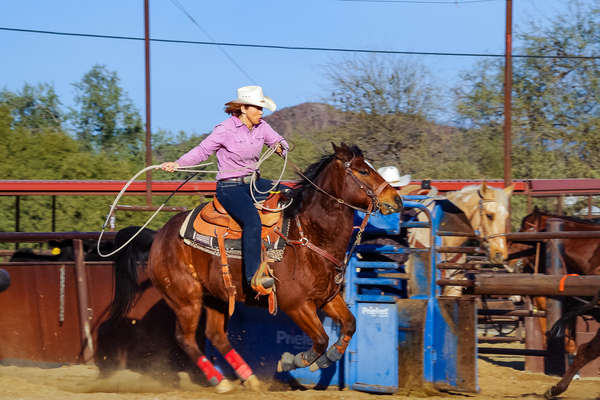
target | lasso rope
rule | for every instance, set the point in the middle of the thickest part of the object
(253, 178)
(189, 168)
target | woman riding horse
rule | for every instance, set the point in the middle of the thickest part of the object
(309, 275)
(238, 142)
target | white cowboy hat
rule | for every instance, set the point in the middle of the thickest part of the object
(392, 176)
(253, 95)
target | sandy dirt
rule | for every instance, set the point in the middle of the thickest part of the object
(498, 379)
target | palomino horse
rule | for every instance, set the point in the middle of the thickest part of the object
(580, 256)
(322, 212)
(486, 212)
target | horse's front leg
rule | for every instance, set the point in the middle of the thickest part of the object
(305, 316)
(215, 332)
(339, 312)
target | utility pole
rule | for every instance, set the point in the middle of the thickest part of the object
(507, 106)
(507, 96)
(148, 126)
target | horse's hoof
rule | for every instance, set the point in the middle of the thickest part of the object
(286, 363)
(252, 383)
(313, 367)
(548, 395)
(224, 386)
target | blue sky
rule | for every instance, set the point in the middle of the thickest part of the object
(190, 83)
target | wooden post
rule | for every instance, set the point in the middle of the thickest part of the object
(533, 341)
(555, 360)
(559, 204)
(53, 228)
(17, 217)
(85, 313)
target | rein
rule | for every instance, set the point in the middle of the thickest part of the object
(372, 195)
(340, 266)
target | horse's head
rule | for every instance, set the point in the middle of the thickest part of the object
(487, 208)
(535, 221)
(361, 186)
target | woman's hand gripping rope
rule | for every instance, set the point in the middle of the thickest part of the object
(169, 166)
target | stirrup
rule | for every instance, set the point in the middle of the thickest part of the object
(262, 281)
(266, 282)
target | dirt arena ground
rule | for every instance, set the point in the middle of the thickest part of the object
(499, 378)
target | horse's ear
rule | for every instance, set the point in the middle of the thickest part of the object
(343, 152)
(484, 189)
(509, 189)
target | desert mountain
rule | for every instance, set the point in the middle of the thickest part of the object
(305, 117)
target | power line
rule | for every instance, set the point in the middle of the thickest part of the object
(239, 67)
(451, 2)
(281, 47)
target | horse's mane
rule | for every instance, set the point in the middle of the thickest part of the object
(299, 193)
(501, 197)
(542, 212)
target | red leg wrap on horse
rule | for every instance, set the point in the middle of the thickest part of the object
(242, 369)
(212, 375)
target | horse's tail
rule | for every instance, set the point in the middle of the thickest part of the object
(125, 264)
(558, 329)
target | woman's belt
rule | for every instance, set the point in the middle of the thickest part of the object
(239, 179)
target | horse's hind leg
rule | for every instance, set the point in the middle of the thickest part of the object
(305, 316)
(586, 353)
(215, 332)
(339, 312)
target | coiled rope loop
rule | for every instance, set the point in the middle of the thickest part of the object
(193, 169)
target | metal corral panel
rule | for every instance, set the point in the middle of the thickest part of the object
(455, 343)
(30, 316)
(30, 326)
(379, 223)
(372, 359)
(411, 331)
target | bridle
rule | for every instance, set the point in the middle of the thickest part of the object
(374, 205)
(372, 194)
(483, 234)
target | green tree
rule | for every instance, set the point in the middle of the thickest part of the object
(33, 107)
(104, 117)
(390, 106)
(555, 108)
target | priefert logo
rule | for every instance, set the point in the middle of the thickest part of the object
(295, 340)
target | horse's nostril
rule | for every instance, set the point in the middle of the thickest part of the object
(399, 203)
(498, 258)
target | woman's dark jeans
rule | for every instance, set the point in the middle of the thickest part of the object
(235, 197)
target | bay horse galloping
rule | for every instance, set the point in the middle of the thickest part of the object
(321, 215)
(582, 257)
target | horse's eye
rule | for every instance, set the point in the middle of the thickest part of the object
(363, 171)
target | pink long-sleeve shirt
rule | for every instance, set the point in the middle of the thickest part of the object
(237, 148)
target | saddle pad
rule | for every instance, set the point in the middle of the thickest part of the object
(233, 247)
